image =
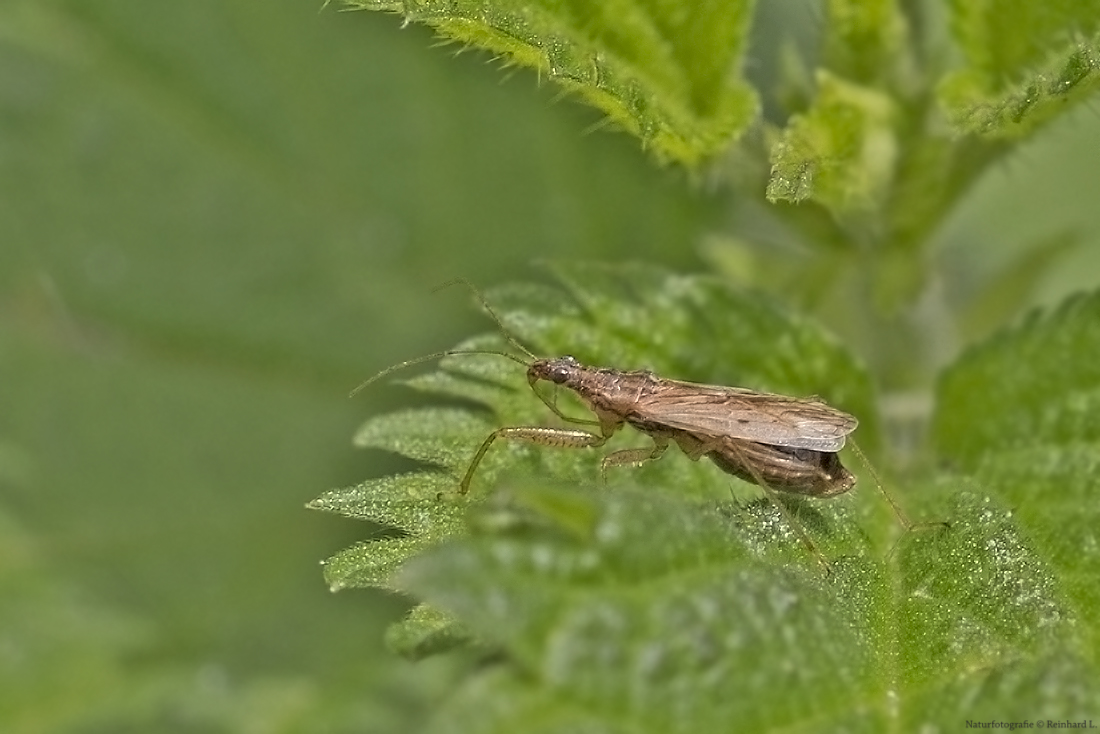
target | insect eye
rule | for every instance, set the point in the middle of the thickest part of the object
(559, 375)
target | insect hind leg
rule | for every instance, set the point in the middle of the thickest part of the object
(788, 517)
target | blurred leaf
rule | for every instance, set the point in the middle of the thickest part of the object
(866, 39)
(214, 218)
(664, 72)
(425, 631)
(1005, 295)
(841, 152)
(76, 646)
(1025, 63)
(349, 167)
(1036, 386)
(1021, 413)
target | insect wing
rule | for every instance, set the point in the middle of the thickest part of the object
(746, 414)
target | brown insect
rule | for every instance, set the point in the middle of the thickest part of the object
(772, 440)
(775, 441)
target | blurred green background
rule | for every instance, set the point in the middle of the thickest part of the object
(215, 219)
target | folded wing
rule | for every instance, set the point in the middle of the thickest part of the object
(804, 423)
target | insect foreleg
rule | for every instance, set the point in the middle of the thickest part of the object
(552, 404)
(560, 437)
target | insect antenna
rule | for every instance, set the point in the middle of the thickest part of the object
(452, 352)
(489, 310)
(902, 517)
(428, 358)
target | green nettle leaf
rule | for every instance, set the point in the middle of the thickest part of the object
(677, 599)
(1021, 414)
(666, 72)
(865, 39)
(1006, 292)
(842, 152)
(670, 616)
(673, 597)
(426, 631)
(629, 317)
(1024, 62)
